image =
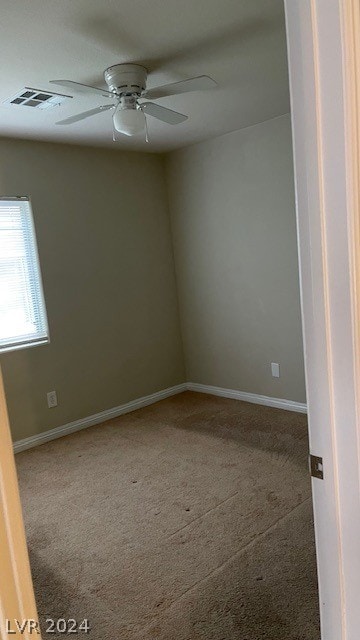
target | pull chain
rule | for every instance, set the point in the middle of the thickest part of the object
(146, 131)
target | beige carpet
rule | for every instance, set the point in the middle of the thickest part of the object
(190, 519)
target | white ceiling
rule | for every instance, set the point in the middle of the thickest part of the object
(239, 43)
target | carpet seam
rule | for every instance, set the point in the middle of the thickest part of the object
(188, 524)
(219, 504)
(218, 569)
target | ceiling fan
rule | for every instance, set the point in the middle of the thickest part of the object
(126, 86)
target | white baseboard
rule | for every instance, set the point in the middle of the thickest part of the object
(288, 405)
(97, 418)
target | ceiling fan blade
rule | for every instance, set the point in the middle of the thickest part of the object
(82, 88)
(162, 113)
(86, 114)
(184, 86)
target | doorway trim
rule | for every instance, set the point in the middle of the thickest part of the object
(17, 601)
(323, 50)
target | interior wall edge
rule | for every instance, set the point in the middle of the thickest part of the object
(254, 398)
(107, 266)
(115, 412)
(236, 264)
(82, 146)
(164, 160)
(96, 418)
(169, 152)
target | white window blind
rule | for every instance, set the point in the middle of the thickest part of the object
(23, 319)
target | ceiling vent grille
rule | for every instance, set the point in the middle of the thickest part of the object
(36, 99)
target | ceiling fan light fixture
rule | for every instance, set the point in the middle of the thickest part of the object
(126, 85)
(129, 122)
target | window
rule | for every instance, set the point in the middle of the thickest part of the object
(23, 319)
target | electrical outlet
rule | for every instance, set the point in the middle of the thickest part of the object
(275, 370)
(52, 399)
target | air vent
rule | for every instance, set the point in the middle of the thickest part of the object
(36, 99)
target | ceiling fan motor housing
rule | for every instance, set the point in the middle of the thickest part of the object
(126, 79)
(127, 83)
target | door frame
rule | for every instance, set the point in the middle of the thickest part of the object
(17, 601)
(323, 49)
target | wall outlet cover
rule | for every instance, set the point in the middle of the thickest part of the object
(51, 399)
(275, 370)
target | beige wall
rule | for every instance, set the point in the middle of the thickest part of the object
(105, 247)
(234, 231)
(104, 242)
